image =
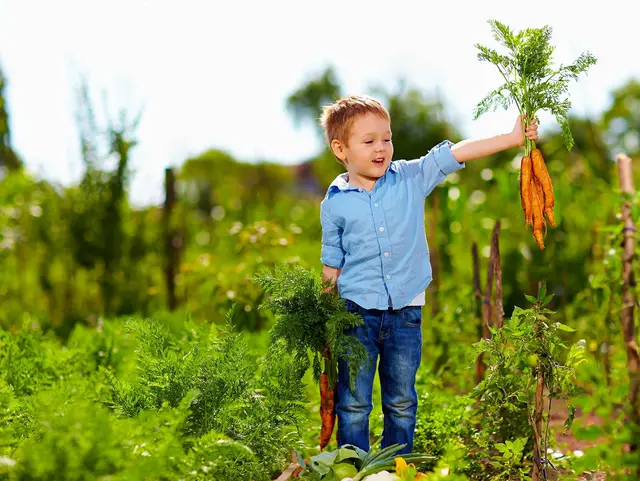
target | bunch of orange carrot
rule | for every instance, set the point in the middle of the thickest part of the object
(534, 84)
(536, 194)
(327, 409)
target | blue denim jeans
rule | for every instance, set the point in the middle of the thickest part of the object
(395, 337)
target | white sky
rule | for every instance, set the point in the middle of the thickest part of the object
(215, 74)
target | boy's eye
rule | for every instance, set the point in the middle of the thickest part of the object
(368, 142)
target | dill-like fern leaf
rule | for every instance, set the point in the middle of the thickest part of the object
(531, 81)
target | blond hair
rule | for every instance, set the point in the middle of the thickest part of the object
(337, 119)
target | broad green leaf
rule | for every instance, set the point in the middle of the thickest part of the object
(564, 327)
(300, 459)
(321, 463)
(502, 447)
(531, 299)
(570, 418)
(519, 444)
(361, 453)
(346, 453)
(542, 291)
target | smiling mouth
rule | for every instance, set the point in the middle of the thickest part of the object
(378, 161)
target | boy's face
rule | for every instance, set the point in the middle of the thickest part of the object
(369, 150)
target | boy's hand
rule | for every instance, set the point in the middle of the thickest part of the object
(531, 132)
(330, 275)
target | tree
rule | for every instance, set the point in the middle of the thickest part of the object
(97, 205)
(8, 157)
(306, 103)
(621, 122)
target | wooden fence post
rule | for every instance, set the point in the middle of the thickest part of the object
(494, 269)
(628, 298)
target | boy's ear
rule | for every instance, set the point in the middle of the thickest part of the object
(338, 150)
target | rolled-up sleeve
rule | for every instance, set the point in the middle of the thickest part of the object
(432, 168)
(332, 253)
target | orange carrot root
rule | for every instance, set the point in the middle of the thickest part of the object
(525, 189)
(542, 174)
(327, 410)
(538, 219)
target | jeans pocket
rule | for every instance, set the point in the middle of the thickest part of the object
(412, 316)
(350, 306)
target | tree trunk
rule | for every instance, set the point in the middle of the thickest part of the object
(628, 298)
(172, 240)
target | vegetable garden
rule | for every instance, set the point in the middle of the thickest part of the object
(195, 341)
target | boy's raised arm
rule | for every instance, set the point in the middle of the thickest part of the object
(472, 149)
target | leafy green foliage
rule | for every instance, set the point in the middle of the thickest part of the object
(181, 400)
(307, 102)
(509, 463)
(442, 419)
(311, 321)
(261, 411)
(528, 343)
(351, 461)
(52, 266)
(531, 81)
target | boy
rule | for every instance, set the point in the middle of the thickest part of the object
(374, 252)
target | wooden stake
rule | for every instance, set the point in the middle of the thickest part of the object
(493, 268)
(628, 298)
(486, 302)
(537, 427)
(483, 332)
(497, 272)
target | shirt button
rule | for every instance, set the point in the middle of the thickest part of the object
(388, 277)
(359, 189)
(375, 205)
(386, 254)
(381, 229)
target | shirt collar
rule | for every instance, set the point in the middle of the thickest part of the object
(340, 182)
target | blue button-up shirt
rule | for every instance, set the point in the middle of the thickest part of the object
(378, 238)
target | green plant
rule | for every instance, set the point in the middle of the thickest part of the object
(351, 461)
(509, 464)
(259, 408)
(441, 418)
(311, 321)
(523, 360)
